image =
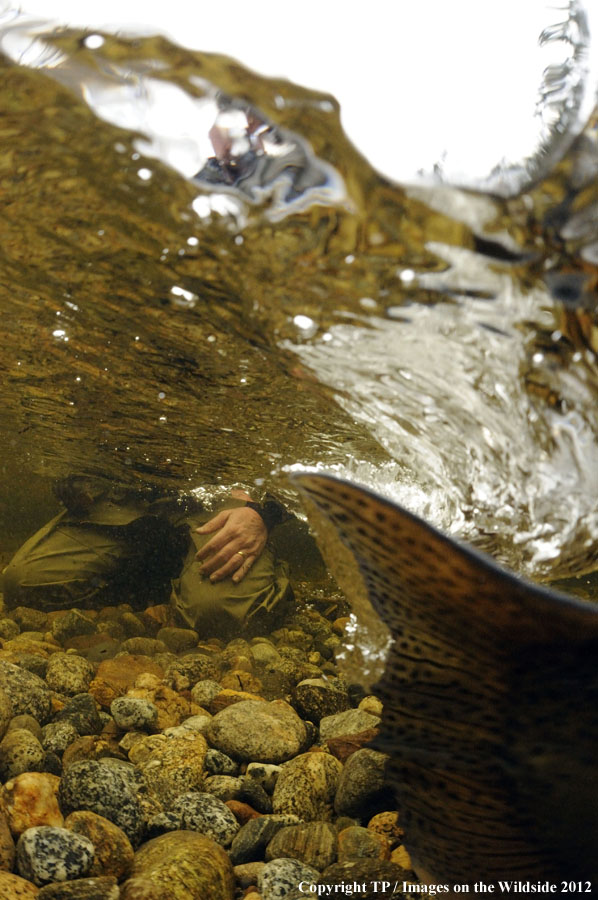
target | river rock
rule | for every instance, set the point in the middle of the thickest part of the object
(71, 623)
(281, 876)
(356, 842)
(12, 887)
(115, 676)
(46, 854)
(8, 629)
(29, 619)
(20, 752)
(30, 799)
(134, 713)
(229, 697)
(82, 713)
(28, 723)
(387, 824)
(362, 785)
(346, 876)
(306, 787)
(253, 793)
(68, 673)
(225, 787)
(266, 775)
(181, 865)
(264, 653)
(242, 812)
(178, 639)
(6, 712)
(172, 707)
(197, 723)
(313, 843)
(317, 698)
(252, 730)
(113, 849)
(252, 839)
(371, 704)
(218, 763)
(94, 786)
(247, 873)
(7, 845)
(27, 692)
(208, 815)
(105, 888)
(143, 646)
(344, 724)
(204, 691)
(174, 766)
(57, 736)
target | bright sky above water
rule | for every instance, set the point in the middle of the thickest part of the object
(417, 81)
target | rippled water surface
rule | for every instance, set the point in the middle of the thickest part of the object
(202, 281)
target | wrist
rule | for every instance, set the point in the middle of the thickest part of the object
(270, 512)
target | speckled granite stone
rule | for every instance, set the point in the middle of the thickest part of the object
(46, 854)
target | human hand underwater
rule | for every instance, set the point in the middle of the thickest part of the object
(239, 538)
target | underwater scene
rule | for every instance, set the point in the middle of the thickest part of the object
(299, 519)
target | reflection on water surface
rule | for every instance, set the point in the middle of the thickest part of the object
(202, 281)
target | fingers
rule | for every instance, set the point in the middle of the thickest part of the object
(236, 567)
(214, 524)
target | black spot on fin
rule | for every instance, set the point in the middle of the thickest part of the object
(490, 699)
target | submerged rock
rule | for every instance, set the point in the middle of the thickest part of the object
(94, 786)
(20, 752)
(69, 673)
(82, 713)
(313, 843)
(251, 841)
(356, 842)
(134, 713)
(281, 876)
(348, 723)
(218, 763)
(30, 799)
(7, 845)
(306, 787)
(362, 785)
(113, 850)
(27, 692)
(181, 865)
(173, 766)
(57, 736)
(105, 888)
(46, 854)
(252, 730)
(208, 815)
(317, 698)
(13, 887)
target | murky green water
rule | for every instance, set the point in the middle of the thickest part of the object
(226, 288)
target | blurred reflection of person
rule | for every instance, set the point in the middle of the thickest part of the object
(111, 546)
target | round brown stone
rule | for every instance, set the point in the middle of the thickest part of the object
(180, 865)
(14, 888)
(113, 850)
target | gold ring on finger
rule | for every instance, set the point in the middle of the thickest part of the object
(241, 554)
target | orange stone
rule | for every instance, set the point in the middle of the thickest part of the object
(242, 812)
(30, 800)
(115, 676)
(343, 747)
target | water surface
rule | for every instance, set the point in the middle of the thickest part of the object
(202, 281)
